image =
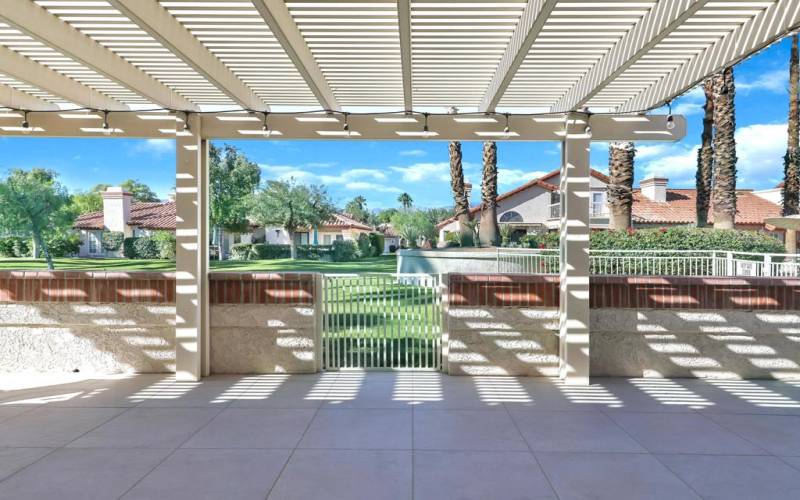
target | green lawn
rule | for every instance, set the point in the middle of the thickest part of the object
(383, 264)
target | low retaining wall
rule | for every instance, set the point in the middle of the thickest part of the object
(640, 326)
(264, 323)
(88, 321)
(502, 325)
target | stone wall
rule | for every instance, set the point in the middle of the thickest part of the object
(502, 325)
(640, 326)
(87, 321)
(264, 323)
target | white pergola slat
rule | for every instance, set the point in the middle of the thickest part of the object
(404, 29)
(40, 24)
(280, 22)
(44, 78)
(17, 99)
(162, 26)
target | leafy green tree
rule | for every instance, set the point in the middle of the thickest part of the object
(405, 200)
(357, 208)
(383, 217)
(437, 215)
(92, 200)
(83, 203)
(34, 202)
(141, 192)
(291, 206)
(233, 180)
(411, 224)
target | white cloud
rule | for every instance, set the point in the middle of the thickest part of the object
(424, 171)
(286, 172)
(318, 164)
(370, 186)
(771, 81)
(690, 103)
(413, 152)
(155, 146)
(515, 177)
(759, 148)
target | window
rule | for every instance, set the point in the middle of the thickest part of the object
(511, 216)
(94, 242)
(237, 238)
(326, 239)
(303, 239)
(339, 237)
(598, 203)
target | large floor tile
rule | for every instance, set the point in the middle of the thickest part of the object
(253, 428)
(683, 433)
(453, 393)
(147, 428)
(7, 412)
(377, 393)
(466, 430)
(73, 474)
(212, 475)
(14, 459)
(216, 391)
(479, 475)
(285, 391)
(792, 461)
(736, 477)
(388, 429)
(653, 395)
(345, 475)
(573, 431)
(775, 433)
(52, 427)
(612, 476)
(749, 396)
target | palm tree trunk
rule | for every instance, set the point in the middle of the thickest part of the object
(705, 157)
(460, 200)
(791, 162)
(724, 194)
(489, 232)
(620, 189)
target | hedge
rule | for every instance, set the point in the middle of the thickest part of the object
(112, 240)
(158, 246)
(63, 244)
(15, 246)
(686, 238)
(340, 251)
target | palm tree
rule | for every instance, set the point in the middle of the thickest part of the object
(791, 162)
(620, 189)
(723, 198)
(705, 157)
(489, 231)
(461, 202)
(405, 200)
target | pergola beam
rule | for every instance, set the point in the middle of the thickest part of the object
(277, 16)
(37, 22)
(162, 26)
(16, 99)
(40, 76)
(769, 25)
(655, 26)
(530, 25)
(404, 28)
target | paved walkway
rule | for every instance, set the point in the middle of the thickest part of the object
(376, 436)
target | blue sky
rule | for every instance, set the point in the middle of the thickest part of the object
(381, 170)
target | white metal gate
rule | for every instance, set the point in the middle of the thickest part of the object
(381, 321)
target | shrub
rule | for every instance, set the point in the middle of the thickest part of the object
(166, 244)
(145, 248)
(377, 242)
(453, 239)
(344, 251)
(63, 244)
(112, 240)
(128, 251)
(364, 245)
(686, 238)
(241, 251)
(540, 240)
(15, 246)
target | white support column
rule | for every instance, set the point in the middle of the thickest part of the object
(191, 298)
(574, 243)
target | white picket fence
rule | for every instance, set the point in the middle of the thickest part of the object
(655, 263)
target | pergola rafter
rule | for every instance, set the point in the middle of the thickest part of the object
(26, 70)
(660, 22)
(404, 27)
(769, 25)
(280, 22)
(16, 99)
(530, 25)
(41, 25)
(162, 26)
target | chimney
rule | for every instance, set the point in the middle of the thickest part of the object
(117, 209)
(655, 189)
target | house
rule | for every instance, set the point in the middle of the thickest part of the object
(535, 206)
(121, 214)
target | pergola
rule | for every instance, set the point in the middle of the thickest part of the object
(195, 70)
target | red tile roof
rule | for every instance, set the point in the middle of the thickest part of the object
(158, 215)
(345, 221)
(680, 208)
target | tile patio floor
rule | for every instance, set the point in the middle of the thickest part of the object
(374, 436)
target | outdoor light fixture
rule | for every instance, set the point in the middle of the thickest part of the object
(26, 125)
(426, 133)
(265, 131)
(186, 126)
(670, 118)
(506, 130)
(106, 127)
(346, 126)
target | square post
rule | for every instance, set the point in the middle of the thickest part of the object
(575, 193)
(191, 257)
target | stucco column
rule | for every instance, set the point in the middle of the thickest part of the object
(191, 205)
(574, 244)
